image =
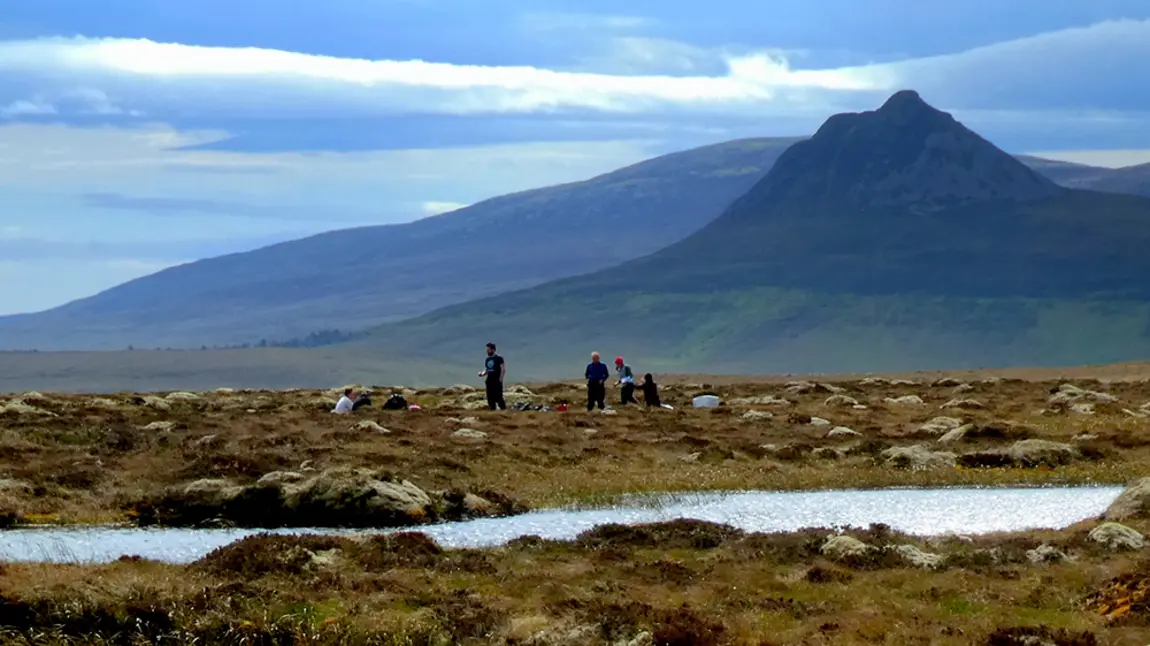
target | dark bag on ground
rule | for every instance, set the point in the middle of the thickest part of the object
(395, 402)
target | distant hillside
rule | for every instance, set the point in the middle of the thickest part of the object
(355, 278)
(895, 239)
(1132, 180)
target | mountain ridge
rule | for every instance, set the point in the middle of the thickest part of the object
(1025, 272)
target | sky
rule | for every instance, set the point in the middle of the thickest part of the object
(135, 134)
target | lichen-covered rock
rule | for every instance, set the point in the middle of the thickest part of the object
(183, 397)
(956, 435)
(818, 421)
(159, 426)
(1082, 408)
(968, 404)
(841, 546)
(1046, 554)
(1069, 393)
(19, 408)
(279, 478)
(905, 400)
(1117, 537)
(940, 426)
(1133, 502)
(1035, 452)
(919, 558)
(840, 401)
(370, 426)
(756, 416)
(762, 400)
(843, 431)
(918, 457)
(469, 434)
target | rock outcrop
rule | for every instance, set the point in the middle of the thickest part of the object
(1133, 502)
(918, 457)
(343, 497)
(1117, 537)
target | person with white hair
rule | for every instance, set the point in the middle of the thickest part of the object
(597, 375)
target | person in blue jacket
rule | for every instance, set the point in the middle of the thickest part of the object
(597, 375)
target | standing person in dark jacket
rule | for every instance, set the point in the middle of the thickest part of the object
(597, 375)
(494, 369)
(627, 380)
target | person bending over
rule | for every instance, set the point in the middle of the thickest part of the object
(627, 380)
(650, 391)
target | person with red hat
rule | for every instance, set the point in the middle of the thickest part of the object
(627, 380)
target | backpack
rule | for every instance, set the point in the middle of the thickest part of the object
(395, 402)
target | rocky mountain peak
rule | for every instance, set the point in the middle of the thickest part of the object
(905, 153)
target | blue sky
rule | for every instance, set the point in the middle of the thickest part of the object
(137, 134)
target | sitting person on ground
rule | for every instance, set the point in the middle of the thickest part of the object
(627, 380)
(597, 375)
(364, 399)
(650, 391)
(345, 404)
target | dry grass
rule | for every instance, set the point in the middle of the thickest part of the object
(80, 458)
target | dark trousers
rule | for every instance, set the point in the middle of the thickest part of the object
(596, 395)
(628, 395)
(495, 395)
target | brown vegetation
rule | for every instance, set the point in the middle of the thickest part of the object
(683, 582)
(82, 458)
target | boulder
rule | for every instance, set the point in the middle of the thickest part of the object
(1082, 408)
(182, 397)
(1046, 554)
(761, 400)
(840, 547)
(918, 457)
(905, 400)
(918, 558)
(469, 434)
(940, 426)
(458, 389)
(799, 387)
(1133, 502)
(20, 408)
(874, 381)
(275, 478)
(356, 498)
(1117, 537)
(956, 435)
(159, 426)
(756, 416)
(903, 382)
(1034, 452)
(1069, 393)
(818, 421)
(842, 431)
(223, 390)
(947, 382)
(518, 389)
(370, 426)
(961, 389)
(151, 401)
(968, 404)
(840, 401)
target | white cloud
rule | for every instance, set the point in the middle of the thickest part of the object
(169, 78)
(547, 21)
(435, 208)
(23, 108)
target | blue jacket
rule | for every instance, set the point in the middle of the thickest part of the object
(597, 372)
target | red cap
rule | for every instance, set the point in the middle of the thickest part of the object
(618, 360)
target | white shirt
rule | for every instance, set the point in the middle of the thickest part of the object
(343, 405)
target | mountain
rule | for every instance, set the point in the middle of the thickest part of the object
(352, 279)
(1133, 180)
(893, 239)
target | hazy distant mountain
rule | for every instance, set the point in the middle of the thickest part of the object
(355, 278)
(891, 239)
(1134, 180)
